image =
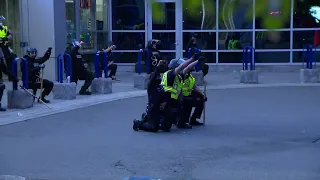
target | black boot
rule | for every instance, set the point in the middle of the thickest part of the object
(44, 100)
(1, 108)
(184, 126)
(194, 122)
(136, 125)
(84, 91)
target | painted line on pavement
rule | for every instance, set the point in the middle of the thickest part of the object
(14, 117)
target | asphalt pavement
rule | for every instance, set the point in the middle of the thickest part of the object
(251, 134)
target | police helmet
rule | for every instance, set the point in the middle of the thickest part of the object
(174, 63)
(2, 18)
(153, 41)
(32, 52)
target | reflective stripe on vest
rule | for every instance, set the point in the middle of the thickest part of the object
(177, 85)
(188, 85)
(3, 32)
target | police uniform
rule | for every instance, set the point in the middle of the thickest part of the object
(5, 52)
(34, 72)
(191, 99)
(172, 84)
(155, 56)
(156, 95)
(80, 70)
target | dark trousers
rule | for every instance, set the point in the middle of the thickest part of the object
(2, 87)
(194, 100)
(113, 70)
(47, 87)
(8, 57)
(83, 75)
(205, 69)
(157, 119)
(153, 119)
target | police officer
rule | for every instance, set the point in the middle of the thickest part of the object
(80, 69)
(155, 108)
(4, 69)
(192, 97)
(111, 65)
(34, 67)
(172, 83)
(5, 50)
(153, 48)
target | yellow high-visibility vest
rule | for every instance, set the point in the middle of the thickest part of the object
(188, 85)
(3, 32)
(175, 90)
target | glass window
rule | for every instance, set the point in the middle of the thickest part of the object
(70, 15)
(165, 14)
(210, 56)
(168, 40)
(272, 57)
(88, 38)
(306, 14)
(298, 56)
(101, 15)
(128, 14)
(235, 14)
(200, 15)
(125, 57)
(230, 57)
(272, 40)
(272, 14)
(234, 40)
(302, 38)
(202, 40)
(102, 40)
(129, 41)
(86, 15)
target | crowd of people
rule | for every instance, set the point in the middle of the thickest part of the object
(171, 90)
(172, 93)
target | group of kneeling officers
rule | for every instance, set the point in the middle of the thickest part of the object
(172, 94)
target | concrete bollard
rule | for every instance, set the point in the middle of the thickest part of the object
(64, 91)
(20, 99)
(140, 81)
(249, 76)
(101, 86)
(309, 75)
(199, 78)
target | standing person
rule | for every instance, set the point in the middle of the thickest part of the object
(34, 67)
(112, 67)
(5, 50)
(4, 69)
(172, 84)
(155, 107)
(80, 69)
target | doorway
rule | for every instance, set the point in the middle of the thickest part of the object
(164, 22)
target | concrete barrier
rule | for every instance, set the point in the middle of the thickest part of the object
(20, 99)
(101, 86)
(64, 91)
(309, 75)
(140, 81)
(249, 76)
(199, 78)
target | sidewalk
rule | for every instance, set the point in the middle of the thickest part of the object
(124, 89)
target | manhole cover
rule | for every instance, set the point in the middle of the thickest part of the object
(11, 177)
(316, 141)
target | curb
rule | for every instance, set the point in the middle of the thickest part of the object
(100, 99)
(11, 177)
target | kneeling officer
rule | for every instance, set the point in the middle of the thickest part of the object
(34, 67)
(192, 97)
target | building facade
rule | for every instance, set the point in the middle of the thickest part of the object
(131, 23)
